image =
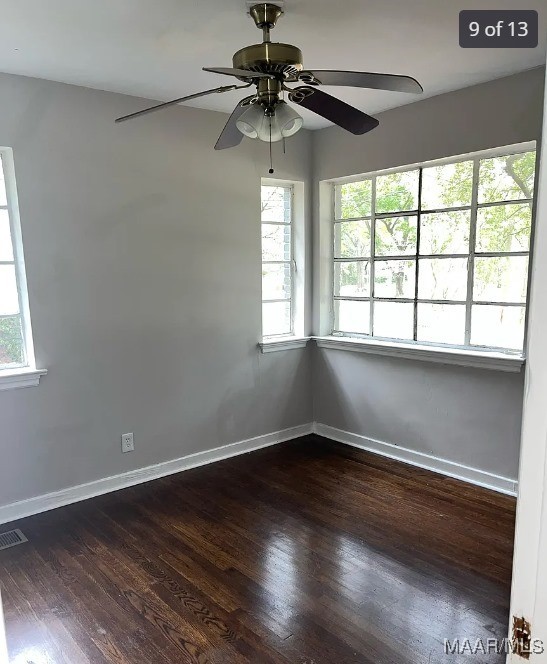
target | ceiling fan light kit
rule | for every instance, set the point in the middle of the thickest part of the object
(256, 122)
(270, 67)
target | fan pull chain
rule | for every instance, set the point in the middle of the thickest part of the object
(271, 162)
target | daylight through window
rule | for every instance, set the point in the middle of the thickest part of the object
(277, 264)
(15, 350)
(437, 254)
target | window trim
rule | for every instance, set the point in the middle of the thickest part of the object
(272, 345)
(21, 377)
(427, 353)
(27, 374)
(473, 208)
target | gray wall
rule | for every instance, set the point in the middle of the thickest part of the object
(469, 416)
(142, 247)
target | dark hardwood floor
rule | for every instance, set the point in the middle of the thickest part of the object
(307, 553)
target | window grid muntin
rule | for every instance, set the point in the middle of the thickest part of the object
(417, 262)
(474, 207)
(289, 262)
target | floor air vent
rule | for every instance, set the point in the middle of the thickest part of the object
(11, 538)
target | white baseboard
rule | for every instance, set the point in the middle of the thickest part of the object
(476, 476)
(49, 501)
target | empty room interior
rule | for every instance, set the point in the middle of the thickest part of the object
(271, 337)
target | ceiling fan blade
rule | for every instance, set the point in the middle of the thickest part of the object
(362, 79)
(230, 135)
(241, 73)
(152, 109)
(333, 109)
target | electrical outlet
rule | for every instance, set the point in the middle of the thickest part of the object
(127, 442)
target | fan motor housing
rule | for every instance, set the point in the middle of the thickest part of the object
(283, 60)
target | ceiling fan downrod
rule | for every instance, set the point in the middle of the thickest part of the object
(265, 15)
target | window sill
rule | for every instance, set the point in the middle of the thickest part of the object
(464, 358)
(11, 379)
(283, 343)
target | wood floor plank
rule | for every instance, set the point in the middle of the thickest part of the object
(309, 552)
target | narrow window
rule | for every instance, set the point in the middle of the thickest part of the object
(277, 261)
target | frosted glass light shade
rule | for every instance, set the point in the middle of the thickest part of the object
(251, 121)
(270, 129)
(288, 119)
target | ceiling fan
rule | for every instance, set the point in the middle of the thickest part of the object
(270, 66)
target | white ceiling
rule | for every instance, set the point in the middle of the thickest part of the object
(156, 48)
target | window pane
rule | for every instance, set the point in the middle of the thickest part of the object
(504, 227)
(394, 278)
(352, 316)
(352, 239)
(507, 178)
(11, 342)
(276, 318)
(276, 242)
(442, 279)
(396, 236)
(9, 301)
(501, 279)
(445, 233)
(354, 199)
(500, 327)
(394, 319)
(276, 282)
(352, 279)
(6, 249)
(397, 192)
(441, 323)
(447, 186)
(276, 204)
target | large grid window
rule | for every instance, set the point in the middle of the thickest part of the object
(15, 344)
(277, 261)
(437, 254)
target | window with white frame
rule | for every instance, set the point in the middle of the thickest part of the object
(15, 337)
(437, 254)
(277, 260)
